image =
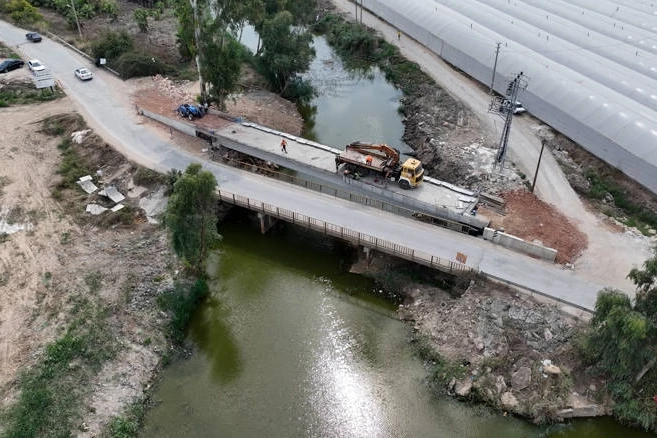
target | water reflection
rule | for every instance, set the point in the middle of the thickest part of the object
(350, 105)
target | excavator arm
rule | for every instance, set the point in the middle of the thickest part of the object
(382, 151)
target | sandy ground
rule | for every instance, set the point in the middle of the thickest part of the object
(47, 257)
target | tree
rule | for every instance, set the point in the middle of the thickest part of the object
(221, 67)
(191, 216)
(204, 25)
(286, 51)
(622, 346)
(646, 282)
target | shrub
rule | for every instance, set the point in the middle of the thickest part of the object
(21, 12)
(141, 17)
(181, 302)
(133, 64)
(112, 45)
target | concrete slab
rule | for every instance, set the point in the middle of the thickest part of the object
(95, 209)
(112, 193)
(87, 185)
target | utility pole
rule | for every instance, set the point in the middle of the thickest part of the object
(492, 81)
(505, 106)
(538, 164)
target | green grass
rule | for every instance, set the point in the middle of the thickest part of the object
(27, 96)
(51, 392)
(128, 424)
(72, 167)
(633, 214)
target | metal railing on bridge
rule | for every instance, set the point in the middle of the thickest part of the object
(347, 234)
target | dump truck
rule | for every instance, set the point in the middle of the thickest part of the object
(361, 159)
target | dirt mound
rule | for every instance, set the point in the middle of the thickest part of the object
(533, 220)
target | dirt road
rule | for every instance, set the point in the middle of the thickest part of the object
(611, 253)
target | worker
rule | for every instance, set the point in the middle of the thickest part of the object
(398, 35)
(368, 160)
(283, 146)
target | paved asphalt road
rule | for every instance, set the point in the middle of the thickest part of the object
(114, 119)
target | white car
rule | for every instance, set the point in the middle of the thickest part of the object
(35, 65)
(83, 73)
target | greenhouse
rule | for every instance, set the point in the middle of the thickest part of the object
(591, 66)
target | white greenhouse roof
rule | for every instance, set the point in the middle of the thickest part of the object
(592, 65)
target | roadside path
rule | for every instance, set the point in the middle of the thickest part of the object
(610, 255)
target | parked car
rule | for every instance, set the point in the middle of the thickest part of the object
(84, 74)
(35, 65)
(190, 111)
(508, 106)
(11, 64)
(33, 36)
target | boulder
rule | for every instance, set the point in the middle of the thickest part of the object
(463, 387)
(509, 400)
(551, 369)
(500, 385)
(521, 378)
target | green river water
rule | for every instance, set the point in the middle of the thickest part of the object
(289, 344)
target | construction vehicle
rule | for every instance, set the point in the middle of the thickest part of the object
(361, 159)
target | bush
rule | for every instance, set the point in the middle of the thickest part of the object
(133, 64)
(112, 45)
(21, 12)
(141, 17)
(181, 302)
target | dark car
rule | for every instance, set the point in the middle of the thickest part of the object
(11, 64)
(190, 111)
(33, 36)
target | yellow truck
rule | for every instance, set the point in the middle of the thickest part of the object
(360, 158)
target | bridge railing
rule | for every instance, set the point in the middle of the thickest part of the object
(344, 233)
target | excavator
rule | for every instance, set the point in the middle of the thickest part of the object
(361, 158)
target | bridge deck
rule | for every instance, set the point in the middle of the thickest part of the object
(322, 157)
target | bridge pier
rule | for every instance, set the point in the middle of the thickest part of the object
(266, 222)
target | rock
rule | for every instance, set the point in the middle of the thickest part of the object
(480, 346)
(509, 400)
(450, 385)
(564, 413)
(463, 387)
(500, 385)
(547, 334)
(589, 411)
(551, 369)
(521, 378)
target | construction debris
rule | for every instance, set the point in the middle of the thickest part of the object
(87, 185)
(95, 209)
(112, 193)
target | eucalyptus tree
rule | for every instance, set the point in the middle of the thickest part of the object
(204, 33)
(286, 50)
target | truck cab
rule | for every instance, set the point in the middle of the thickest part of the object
(411, 174)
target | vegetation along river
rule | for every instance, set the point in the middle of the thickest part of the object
(289, 344)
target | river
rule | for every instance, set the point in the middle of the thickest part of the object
(289, 344)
